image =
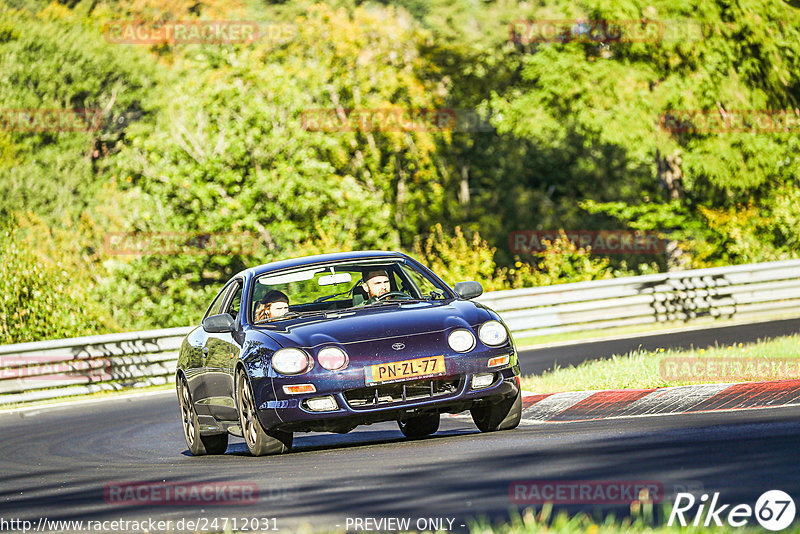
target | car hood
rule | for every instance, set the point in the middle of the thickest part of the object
(373, 323)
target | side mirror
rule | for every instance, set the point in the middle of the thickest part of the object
(468, 290)
(218, 324)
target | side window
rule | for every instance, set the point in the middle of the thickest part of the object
(214, 309)
(426, 288)
(235, 303)
(397, 283)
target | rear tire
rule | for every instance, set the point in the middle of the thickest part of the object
(419, 426)
(198, 444)
(504, 415)
(259, 442)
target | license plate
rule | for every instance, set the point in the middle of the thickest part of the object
(397, 371)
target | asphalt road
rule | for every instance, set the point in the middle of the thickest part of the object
(56, 464)
(537, 361)
(66, 463)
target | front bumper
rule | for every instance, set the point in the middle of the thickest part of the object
(359, 404)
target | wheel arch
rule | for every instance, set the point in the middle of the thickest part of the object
(179, 375)
(238, 368)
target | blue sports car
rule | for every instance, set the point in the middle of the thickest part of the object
(326, 343)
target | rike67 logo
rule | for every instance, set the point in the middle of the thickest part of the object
(774, 510)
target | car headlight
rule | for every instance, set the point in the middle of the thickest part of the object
(332, 358)
(291, 361)
(493, 333)
(461, 340)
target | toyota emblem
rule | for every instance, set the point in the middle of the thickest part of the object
(399, 346)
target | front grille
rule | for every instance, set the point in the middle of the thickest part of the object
(385, 394)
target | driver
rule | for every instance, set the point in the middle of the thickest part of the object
(274, 304)
(376, 283)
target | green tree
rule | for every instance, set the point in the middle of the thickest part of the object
(229, 152)
(41, 296)
(597, 108)
(55, 61)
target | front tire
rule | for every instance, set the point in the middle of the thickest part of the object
(198, 444)
(259, 442)
(419, 426)
(504, 415)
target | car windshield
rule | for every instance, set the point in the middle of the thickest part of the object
(325, 288)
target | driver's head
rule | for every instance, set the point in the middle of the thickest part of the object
(376, 282)
(277, 303)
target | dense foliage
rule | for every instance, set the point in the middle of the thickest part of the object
(41, 295)
(214, 140)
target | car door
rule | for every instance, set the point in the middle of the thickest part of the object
(220, 353)
(192, 358)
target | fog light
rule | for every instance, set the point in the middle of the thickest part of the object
(499, 360)
(322, 404)
(483, 380)
(299, 388)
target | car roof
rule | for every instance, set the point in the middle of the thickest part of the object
(323, 258)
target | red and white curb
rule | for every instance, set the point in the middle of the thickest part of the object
(594, 405)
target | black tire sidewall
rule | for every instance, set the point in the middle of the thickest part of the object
(275, 442)
(504, 415)
(197, 448)
(241, 381)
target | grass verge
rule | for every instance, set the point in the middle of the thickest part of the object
(775, 359)
(641, 521)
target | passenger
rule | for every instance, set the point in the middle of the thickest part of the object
(274, 304)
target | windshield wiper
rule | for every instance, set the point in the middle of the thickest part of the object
(398, 302)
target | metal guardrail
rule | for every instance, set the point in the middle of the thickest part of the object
(59, 368)
(737, 292)
(82, 365)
